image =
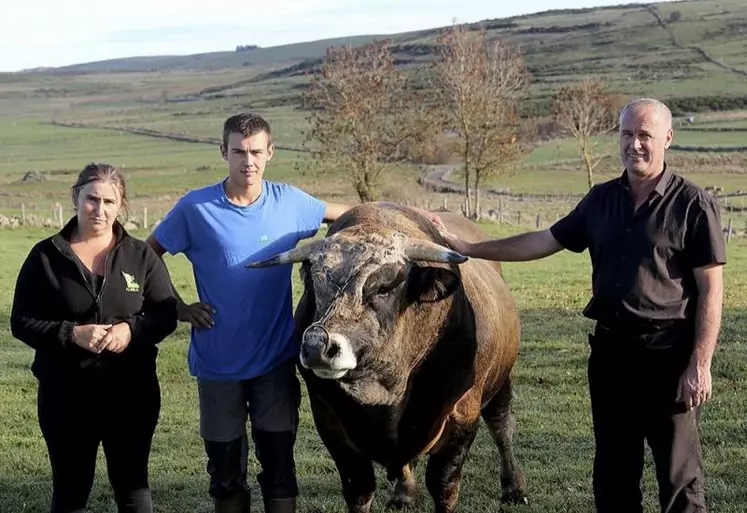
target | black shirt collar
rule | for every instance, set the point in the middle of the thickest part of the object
(660, 188)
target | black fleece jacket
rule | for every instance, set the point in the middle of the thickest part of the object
(52, 295)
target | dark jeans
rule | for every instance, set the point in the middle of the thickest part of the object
(271, 403)
(633, 380)
(119, 410)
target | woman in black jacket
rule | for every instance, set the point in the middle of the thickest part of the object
(93, 302)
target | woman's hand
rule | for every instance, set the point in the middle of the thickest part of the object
(88, 336)
(117, 339)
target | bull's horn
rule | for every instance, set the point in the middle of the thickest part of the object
(427, 251)
(292, 256)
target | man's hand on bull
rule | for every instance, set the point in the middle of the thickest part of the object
(431, 216)
(199, 315)
(455, 243)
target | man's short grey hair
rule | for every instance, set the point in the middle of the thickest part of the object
(661, 108)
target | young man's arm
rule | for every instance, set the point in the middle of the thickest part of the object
(333, 211)
(695, 384)
(197, 314)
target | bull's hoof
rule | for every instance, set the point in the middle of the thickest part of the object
(514, 497)
(401, 502)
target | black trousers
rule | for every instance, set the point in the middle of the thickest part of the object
(117, 409)
(270, 402)
(633, 380)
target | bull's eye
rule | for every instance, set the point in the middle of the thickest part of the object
(384, 290)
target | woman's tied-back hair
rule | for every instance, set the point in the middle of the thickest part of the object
(247, 125)
(98, 171)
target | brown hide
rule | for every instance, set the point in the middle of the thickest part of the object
(495, 316)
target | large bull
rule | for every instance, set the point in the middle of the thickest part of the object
(403, 351)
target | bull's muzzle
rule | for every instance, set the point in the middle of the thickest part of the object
(316, 347)
(328, 355)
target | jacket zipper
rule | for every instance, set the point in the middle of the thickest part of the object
(80, 271)
(96, 297)
(99, 298)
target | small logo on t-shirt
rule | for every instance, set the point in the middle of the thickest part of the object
(130, 284)
(264, 239)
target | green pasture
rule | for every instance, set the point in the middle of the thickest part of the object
(554, 441)
(183, 96)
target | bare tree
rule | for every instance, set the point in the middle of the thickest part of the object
(364, 117)
(481, 83)
(586, 110)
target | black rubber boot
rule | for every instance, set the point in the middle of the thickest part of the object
(240, 503)
(280, 505)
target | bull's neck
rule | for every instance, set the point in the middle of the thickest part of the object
(375, 390)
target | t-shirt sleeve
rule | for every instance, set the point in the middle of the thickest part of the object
(570, 231)
(705, 244)
(309, 211)
(173, 231)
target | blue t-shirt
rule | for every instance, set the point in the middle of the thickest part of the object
(254, 312)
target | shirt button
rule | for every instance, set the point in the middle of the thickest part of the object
(623, 256)
(627, 230)
(617, 285)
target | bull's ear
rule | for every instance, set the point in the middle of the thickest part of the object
(430, 284)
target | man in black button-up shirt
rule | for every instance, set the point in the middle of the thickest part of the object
(657, 251)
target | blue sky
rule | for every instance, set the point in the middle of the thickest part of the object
(54, 33)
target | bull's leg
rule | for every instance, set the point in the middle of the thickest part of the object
(358, 481)
(444, 470)
(355, 469)
(502, 424)
(356, 474)
(404, 489)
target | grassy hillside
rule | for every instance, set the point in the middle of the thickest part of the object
(627, 43)
(634, 46)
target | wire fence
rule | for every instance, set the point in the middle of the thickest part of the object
(56, 215)
(536, 211)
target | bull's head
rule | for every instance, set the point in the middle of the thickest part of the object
(358, 284)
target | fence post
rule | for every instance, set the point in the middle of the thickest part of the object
(539, 221)
(145, 218)
(728, 232)
(518, 218)
(59, 209)
(23, 213)
(445, 203)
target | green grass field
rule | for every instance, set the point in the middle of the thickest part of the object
(554, 440)
(194, 96)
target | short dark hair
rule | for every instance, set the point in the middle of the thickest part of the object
(98, 171)
(246, 124)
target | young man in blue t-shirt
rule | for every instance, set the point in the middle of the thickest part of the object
(241, 349)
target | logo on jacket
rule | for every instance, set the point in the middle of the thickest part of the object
(130, 284)
(264, 239)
